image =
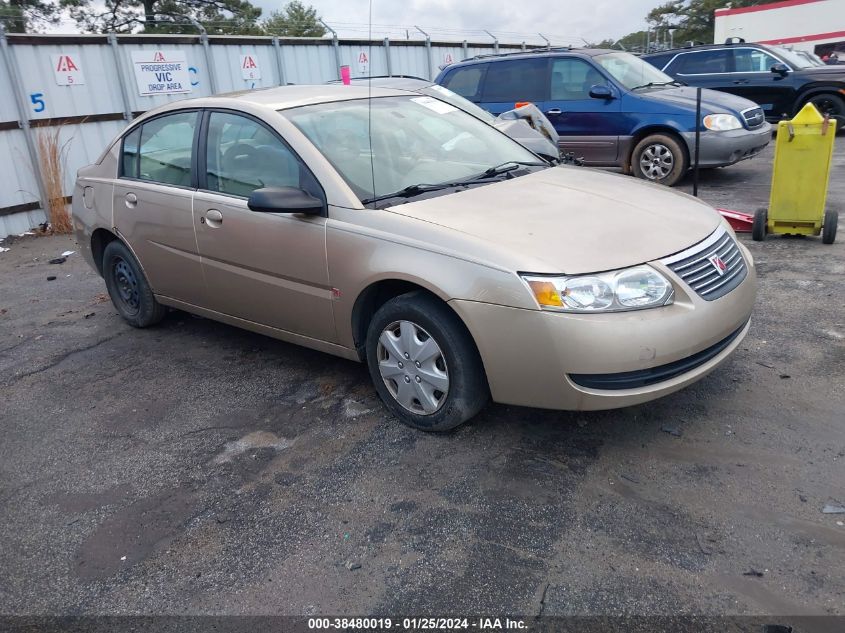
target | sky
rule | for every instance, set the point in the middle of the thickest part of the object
(562, 21)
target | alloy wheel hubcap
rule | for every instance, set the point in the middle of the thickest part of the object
(127, 285)
(657, 161)
(413, 367)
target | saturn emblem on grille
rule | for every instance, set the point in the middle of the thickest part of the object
(720, 266)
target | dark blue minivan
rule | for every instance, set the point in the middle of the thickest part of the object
(614, 109)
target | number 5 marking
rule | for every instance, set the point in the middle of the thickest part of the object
(37, 101)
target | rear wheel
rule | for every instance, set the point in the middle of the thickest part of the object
(128, 288)
(831, 105)
(659, 158)
(831, 219)
(758, 227)
(424, 364)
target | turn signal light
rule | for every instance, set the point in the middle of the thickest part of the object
(546, 293)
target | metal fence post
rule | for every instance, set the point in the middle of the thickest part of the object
(209, 63)
(548, 43)
(121, 79)
(495, 41)
(465, 46)
(335, 45)
(23, 116)
(427, 51)
(280, 62)
(387, 56)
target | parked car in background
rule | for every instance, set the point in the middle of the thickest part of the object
(614, 109)
(538, 136)
(398, 230)
(779, 80)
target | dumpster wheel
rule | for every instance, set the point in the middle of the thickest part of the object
(831, 219)
(758, 228)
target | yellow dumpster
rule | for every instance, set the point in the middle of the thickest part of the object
(803, 156)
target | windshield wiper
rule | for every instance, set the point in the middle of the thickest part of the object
(487, 176)
(505, 167)
(652, 84)
(415, 190)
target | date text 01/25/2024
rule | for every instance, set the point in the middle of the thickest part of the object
(417, 624)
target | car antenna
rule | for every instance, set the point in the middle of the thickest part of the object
(370, 99)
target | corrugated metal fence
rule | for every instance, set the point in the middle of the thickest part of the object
(87, 85)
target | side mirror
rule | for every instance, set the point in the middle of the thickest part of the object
(601, 92)
(780, 69)
(285, 200)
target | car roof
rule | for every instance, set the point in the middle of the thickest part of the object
(283, 97)
(533, 53)
(704, 47)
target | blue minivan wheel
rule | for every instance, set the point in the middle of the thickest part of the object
(659, 158)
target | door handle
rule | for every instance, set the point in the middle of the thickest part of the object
(212, 218)
(741, 81)
(554, 111)
(131, 200)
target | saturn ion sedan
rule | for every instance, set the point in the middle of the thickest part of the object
(398, 230)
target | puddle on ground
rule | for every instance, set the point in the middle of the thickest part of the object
(252, 441)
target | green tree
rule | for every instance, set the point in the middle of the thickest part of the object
(27, 16)
(690, 21)
(295, 20)
(221, 17)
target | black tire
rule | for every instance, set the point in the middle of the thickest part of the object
(758, 227)
(457, 359)
(831, 219)
(128, 287)
(667, 159)
(832, 105)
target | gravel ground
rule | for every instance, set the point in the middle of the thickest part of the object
(196, 468)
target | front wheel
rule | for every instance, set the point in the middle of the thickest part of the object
(659, 158)
(831, 219)
(424, 363)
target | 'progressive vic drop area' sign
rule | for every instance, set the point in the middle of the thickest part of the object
(161, 72)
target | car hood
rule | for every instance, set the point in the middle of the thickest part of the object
(827, 73)
(571, 220)
(712, 101)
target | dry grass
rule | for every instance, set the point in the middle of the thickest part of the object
(52, 162)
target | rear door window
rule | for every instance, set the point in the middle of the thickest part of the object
(702, 62)
(465, 81)
(164, 150)
(516, 80)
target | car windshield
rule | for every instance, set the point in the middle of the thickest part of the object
(631, 71)
(415, 141)
(792, 58)
(444, 94)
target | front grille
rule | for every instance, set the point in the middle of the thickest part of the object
(697, 268)
(645, 377)
(754, 117)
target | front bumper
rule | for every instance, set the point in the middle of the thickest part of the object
(719, 149)
(531, 356)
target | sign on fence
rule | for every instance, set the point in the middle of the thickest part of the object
(363, 63)
(249, 67)
(161, 72)
(67, 70)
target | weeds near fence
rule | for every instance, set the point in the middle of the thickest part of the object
(52, 163)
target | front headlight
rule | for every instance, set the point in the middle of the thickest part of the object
(721, 122)
(615, 291)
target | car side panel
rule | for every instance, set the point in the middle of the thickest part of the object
(365, 247)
